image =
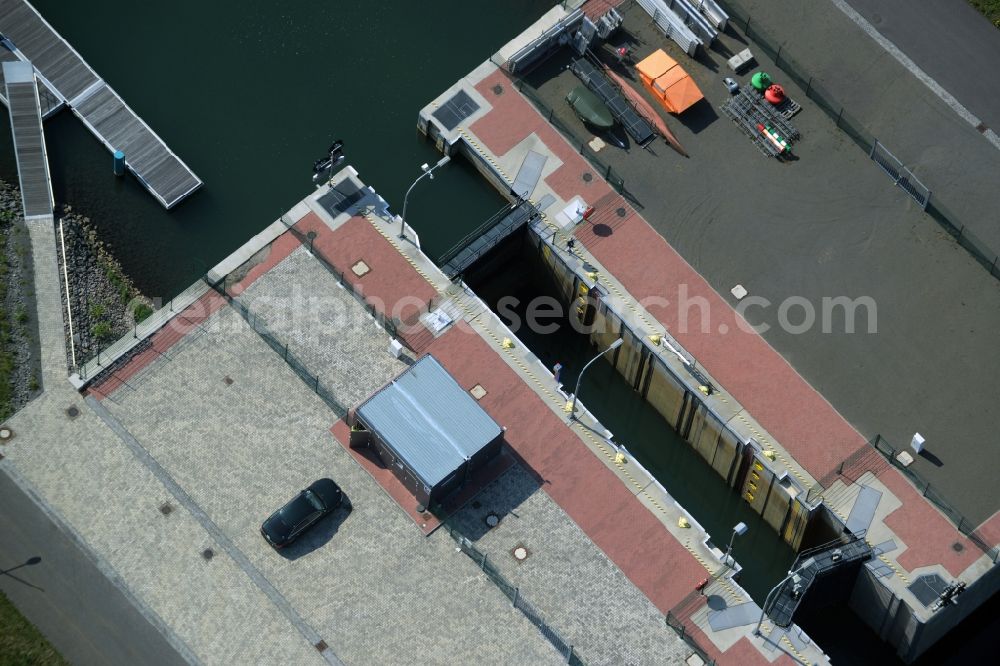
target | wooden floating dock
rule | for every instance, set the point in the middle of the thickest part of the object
(22, 94)
(65, 79)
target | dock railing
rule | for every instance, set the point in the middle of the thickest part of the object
(815, 90)
(119, 352)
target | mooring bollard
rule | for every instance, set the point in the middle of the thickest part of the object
(119, 163)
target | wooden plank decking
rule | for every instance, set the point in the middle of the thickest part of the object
(61, 70)
(50, 101)
(29, 141)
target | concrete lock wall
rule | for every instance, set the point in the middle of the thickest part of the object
(724, 442)
(897, 624)
(928, 633)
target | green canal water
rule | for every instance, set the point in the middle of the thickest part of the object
(249, 94)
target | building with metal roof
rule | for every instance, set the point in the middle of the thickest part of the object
(428, 430)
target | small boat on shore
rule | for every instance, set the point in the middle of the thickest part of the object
(646, 109)
(589, 108)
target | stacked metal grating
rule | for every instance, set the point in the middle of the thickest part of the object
(681, 21)
(751, 112)
(638, 127)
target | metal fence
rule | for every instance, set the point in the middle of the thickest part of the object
(853, 128)
(877, 456)
(119, 352)
(964, 525)
(510, 591)
(312, 380)
(902, 176)
(388, 323)
(581, 145)
(680, 627)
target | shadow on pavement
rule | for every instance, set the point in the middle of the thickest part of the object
(320, 534)
(496, 502)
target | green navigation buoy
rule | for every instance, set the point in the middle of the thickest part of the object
(760, 81)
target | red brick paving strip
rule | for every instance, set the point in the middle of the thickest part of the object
(189, 319)
(750, 369)
(587, 491)
(392, 284)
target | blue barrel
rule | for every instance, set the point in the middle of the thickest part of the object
(119, 163)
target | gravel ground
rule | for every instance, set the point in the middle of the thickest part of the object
(103, 299)
(19, 354)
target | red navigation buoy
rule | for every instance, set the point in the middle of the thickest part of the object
(775, 94)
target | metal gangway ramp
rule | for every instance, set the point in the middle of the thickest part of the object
(640, 129)
(22, 94)
(810, 565)
(499, 227)
(64, 74)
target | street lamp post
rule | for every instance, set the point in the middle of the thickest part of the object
(738, 530)
(427, 171)
(767, 599)
(572, 407)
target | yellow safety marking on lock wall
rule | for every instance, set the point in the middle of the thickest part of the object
(798, 655)
(615, 457)
(895, 569)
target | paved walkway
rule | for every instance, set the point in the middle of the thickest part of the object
(634, 259)
(70, 594)
(270, 437)
(49, 302)
(631, 522)
(963, 54)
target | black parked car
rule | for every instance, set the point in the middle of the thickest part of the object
(305, 510)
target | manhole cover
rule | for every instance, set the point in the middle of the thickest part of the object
(498, 89)
(6, 434)
(208, 553)
(227, 380)
(957, 547)
(520, 553)
(72, 411)
(492, 519)
(421, 508)
(311, 235)
(587, 176)
(621, 212)
(166, 508)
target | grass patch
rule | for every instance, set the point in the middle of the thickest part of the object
(20, 642)
(101, 330)
(141, 312)
(988, 8)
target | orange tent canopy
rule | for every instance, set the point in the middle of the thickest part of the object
(670, 84)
